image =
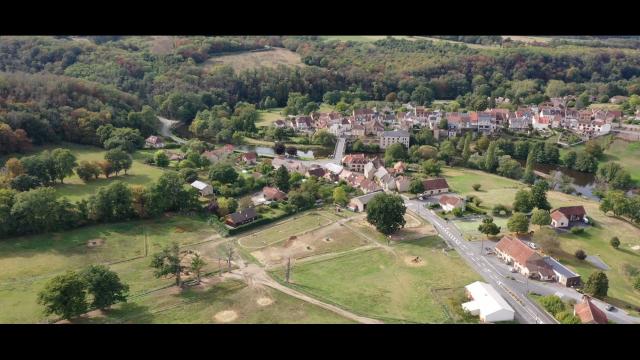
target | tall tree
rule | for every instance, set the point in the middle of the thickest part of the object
(529, 175)
(168, 262)
(518, 223)
(488, 227)
(105, 286)
(64, 295)
(386, 213)
(597, 285)
(281, 179)
(523, 201)
(539, 195)
(197, 264)
(491, 159)
(120, 160)
(540, 217)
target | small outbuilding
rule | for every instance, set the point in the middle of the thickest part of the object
(203, 188)
(487, 303)
(359, 204)
(435, 186)
(155, 142)
(564, 275)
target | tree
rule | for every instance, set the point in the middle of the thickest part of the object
(324, 138)
(529, 176)
(518, 223)
(416, 186)
(466, 151)
(15, 168)
(593, 148)
(539, 195)
(540, 217)
(586, 162)
(476, 187)
(281, 179)
(87, 170)
(106, 168)
(457, 212)
(229, 252)
(443, 124)
(189, 175)
(120, 160)
(340, 196)
(491, 159)
(569, 159)
(64, 162)
(508, 167)
(395, 152)
(161, 159)
(615, 201)
(279, 148)
(432, 167)
(113, 202)
(615, 242)
(168, 193)
(105, 286)
(483, 143)
(567, 317)
(580, 254)
(197, 263)
(386, 213)
(553, 304)
(64, 295)
(168, 262)
(223, 173)
(523, 201)
(597, 285)
(488, 227)
(24, 182)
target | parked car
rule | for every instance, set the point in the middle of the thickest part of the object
(512, 269)
(610, 308)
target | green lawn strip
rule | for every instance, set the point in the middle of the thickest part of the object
(282, 231)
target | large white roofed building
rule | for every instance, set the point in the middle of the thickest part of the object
(487, 303)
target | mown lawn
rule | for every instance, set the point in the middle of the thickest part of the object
(494, 189)
(268, 116)
(627, 154)
(275, 233)
(28, 262)
(386, 285)
(470, 227)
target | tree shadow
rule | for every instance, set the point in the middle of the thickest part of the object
(129, 312)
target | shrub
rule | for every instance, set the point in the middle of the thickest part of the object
(567, 317)
(476, 187)
(501, 210)
(577, 230)
(636, 283)
(458, 212)
(615, 242)
(552, 304)
(580, 254)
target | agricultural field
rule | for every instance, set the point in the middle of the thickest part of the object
(251, 60)
(29, 261)
(401, 284)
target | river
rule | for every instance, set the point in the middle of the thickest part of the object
(584, 183)
(269, 152)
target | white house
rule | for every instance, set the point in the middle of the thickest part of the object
(204, 188)
(448, 203)
(487, 303)
(388, 138)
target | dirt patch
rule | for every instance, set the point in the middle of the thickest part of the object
(328, 239)
(180, 230)
(414, 261)
(95, 242)
(411, 221)
(635, 247)
(161, 45)
(226, 316)
(250, 60)
(264, 301)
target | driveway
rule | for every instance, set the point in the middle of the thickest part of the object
(165, 129)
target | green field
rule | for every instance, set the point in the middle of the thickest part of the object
(75, 189)
(627, 154)
(268, 116)
(494, 189)
(470, 228)
(281, 232)
(200, 305)
(387, 285)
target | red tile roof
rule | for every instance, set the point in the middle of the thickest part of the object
(450, 200)
(271, 193)
(435, 184)
(569, 211)
(524, 255)
(589, 313)
(557, 216)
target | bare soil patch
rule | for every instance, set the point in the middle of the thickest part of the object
(251, 60)
(635, 247)
(95, 243)
(225, 316)
(264, 301)
(414, 261)
(413, 229)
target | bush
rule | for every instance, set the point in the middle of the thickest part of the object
(474, 209)
(577, 230)
(458, 212)
(580, 254)
(476, 187)
(501, 210)
(567, 317)
(636, 283)
(552, 304)
(615, 242)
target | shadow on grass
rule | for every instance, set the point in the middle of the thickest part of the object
(124, 313)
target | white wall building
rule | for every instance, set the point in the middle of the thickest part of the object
(487, 303)
(388, 138)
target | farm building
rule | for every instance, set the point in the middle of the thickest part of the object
(435, 186)
(203, 188)
(487, 303)
(241, 217)
(524, 259)
(563, 216)
(589, 313)
(564, 276)
(360, 203)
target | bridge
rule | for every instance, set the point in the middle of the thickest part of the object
(338, 152)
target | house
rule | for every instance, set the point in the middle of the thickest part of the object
(302, 123)
(359, 204)
(380, 173)
(402, 183)
(220, 154)
(368, 186)
(523, 259)
(154, 142)
(448, 203)
(388, 138)
(369, 170)
(241, 217)
(357, 130)
(399, 167)
(273, 194)
(280, 123)
(291, 165)
(564, 276)
(563, 216)
(316, 171)
(203, 188)
(487, 303)
(589, 313)
(387, 182)
(355, 162)
(250, 157)
(435, 186)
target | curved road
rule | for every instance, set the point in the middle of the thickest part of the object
(165, 129)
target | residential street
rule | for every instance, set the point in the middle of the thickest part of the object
(513, 292)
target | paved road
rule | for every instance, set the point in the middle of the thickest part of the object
(526, 311)
(165, 130)
(339, 150)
